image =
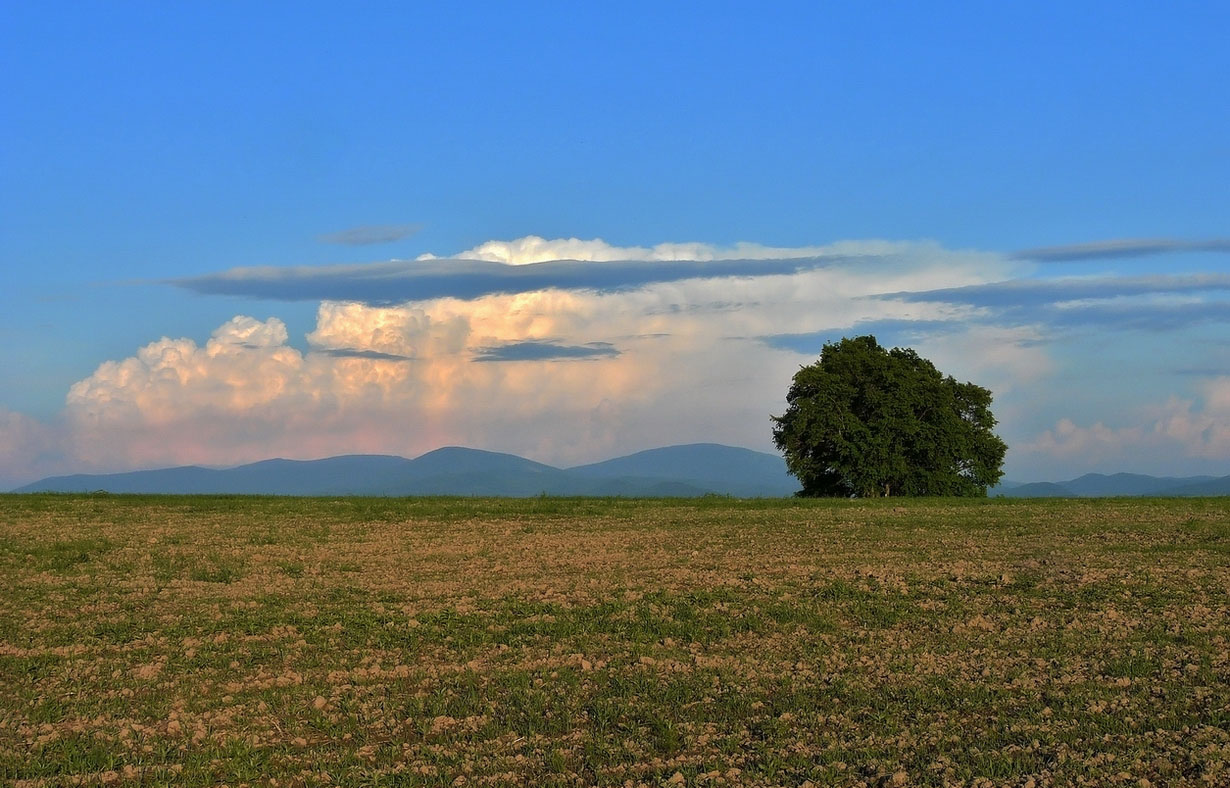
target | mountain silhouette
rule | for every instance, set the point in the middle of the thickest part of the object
(1098, 485)
(673, 471)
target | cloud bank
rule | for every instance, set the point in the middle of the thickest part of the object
(423, 280)
(1171, 432)
(563, 367)
(531, 264)
(507, 347)
(1120, 248)
(535, 249)
(1142, 303)
(1032, 292)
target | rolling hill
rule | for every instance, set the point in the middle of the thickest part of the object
(1097, 485)
(673, 471)
(1102, 485)
(709, 466)
(1035, 490)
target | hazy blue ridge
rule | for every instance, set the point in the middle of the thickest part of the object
(1102, 485)
(1097, 485)
(1036, 490)
(190, 479)
(1215, 486)
(711, 466)
(457, 459)
(674, 471)
(671, 471)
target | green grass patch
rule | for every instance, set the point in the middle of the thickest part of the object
(550, 641)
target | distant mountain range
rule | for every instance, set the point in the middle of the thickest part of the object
(674, 471)
(1098, 485)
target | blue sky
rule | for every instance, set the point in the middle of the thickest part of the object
(904, 149)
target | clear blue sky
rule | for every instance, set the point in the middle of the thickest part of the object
(145, 142)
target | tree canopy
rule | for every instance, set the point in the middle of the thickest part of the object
(870, 422)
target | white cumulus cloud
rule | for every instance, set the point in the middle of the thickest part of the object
(569, 375)
(680, 361)
(535, 249)
(1177, 433)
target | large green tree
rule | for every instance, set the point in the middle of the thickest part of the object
(870, 422)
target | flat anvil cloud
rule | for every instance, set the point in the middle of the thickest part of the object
(1031, 292)
(1121, 248)
(1144, 303)
(423, 280)
(532, 264)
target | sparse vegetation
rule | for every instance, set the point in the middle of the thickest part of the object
(275, 641)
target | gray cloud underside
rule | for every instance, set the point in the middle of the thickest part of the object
(346, 352)
(1126, 247)
(1032, 292)
(1106, 303)
(712, 306)
(1120, 316)
(545, 351)
(370, 234)
(382, 284)
(1135, 317)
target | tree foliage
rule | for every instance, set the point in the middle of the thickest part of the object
(871, 422)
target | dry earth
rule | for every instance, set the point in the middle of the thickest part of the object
(307, 642)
